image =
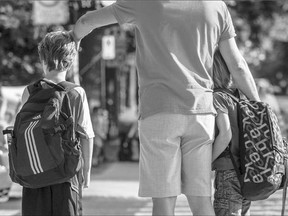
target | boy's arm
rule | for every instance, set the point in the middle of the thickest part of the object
(25, 96)
(224, 136)
(239, 68)
(91, 20)
(87, 150)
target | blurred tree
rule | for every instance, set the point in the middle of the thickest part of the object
(262, 29)
(18, 54)
(261, 26)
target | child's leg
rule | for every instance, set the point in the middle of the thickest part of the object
(227, 198)
(246, 207)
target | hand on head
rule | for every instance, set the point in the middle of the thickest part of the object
(75, 39)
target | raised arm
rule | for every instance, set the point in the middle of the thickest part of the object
(239, 68)
(91, 20)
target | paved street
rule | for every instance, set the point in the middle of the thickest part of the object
(113, 191)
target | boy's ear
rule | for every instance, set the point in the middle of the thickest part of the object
(77, 41)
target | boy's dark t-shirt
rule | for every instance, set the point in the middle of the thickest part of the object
(224, 104)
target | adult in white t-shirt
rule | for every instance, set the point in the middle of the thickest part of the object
(175, 43)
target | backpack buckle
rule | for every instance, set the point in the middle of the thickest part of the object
(57, 129)
(62, 127)
(8, 131)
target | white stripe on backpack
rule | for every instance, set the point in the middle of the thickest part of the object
(30, 143)
(31, 149)
(35, 148)
(28, 148)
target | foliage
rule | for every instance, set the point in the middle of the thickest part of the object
(18, 53)
(261, 26)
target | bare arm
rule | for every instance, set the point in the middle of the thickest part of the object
(225, 134)
(87, 150)
(239, 68)
(91, 20)
(25, 96)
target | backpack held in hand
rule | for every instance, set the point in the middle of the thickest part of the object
(45, 149)
(263, 151)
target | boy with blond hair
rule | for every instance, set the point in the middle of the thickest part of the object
(57, 52)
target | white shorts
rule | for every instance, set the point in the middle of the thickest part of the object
(176, 155)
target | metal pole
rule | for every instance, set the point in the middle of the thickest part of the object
(103, 83)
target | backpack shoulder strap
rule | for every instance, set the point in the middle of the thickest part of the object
(67, 86)
(66, 112)
(226, 91)
(37, 86)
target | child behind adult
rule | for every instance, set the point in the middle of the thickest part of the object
(101, 125)
(57, 51)
(227, 198)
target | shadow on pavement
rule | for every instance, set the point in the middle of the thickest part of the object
(96, 206)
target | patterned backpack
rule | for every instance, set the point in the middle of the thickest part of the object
(263, 151)
(44, 149)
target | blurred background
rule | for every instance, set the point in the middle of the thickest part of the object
(106, 68)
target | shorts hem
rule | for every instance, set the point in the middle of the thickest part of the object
(158, 195)
(197, 195)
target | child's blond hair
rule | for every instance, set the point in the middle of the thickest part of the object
(57, 50)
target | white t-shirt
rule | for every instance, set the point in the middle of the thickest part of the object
(175, 43)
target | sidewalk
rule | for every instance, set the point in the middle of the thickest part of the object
(118, 179)
(114, 191)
